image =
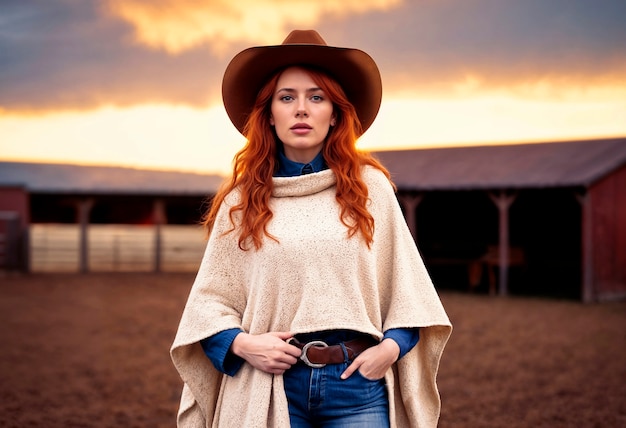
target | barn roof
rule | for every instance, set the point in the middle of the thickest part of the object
(78, 179)
(543, 165)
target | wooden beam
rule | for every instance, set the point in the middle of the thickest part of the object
(503, 202)
(84, 207)
(159, 219)
(410, 203)
(587, 289)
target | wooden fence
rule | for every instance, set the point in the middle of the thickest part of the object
(115, 248)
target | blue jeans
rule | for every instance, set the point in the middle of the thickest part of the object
(317, 397)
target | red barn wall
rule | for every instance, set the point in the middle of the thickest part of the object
(14, 221)
(15, 199)
(608, 198)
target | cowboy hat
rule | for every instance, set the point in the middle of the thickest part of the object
(353, 69)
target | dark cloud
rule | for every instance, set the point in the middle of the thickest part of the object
(68, 54)
(500, 41)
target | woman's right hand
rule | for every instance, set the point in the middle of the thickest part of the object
(268, 352)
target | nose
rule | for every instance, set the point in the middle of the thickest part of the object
(301, 112)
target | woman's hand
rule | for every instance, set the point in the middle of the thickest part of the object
(267, 352)
(374, 362)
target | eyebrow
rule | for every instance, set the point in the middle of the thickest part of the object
(293, 90)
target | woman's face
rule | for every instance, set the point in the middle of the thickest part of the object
(301, 114)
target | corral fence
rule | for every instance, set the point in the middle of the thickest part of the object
(116, 248)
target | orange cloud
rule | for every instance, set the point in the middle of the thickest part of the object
(178, 25)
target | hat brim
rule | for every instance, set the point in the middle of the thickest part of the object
(353, 69)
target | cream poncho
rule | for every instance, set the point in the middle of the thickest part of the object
(315, 278)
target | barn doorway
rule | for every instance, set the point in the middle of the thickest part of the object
(457, 233)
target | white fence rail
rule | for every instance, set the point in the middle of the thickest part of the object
(123, 248)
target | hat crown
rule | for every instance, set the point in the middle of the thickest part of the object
(304, 37)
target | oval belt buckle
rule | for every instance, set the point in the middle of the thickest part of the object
(306, 347)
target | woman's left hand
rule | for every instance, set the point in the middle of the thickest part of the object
(374, 362)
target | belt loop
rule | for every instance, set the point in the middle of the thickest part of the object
(345, 353)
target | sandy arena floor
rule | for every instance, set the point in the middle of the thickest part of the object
(92, 351)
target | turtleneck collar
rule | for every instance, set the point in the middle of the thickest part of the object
(303, 185)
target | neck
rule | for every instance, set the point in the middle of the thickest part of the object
(302, 156)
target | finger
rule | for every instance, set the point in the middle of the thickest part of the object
(293, 350)
(351, 369)
(289, 349)
(289, 359)
(282, 335)
(281, 366)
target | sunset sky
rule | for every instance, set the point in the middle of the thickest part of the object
(137, 82)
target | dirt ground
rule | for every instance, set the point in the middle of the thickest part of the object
(92, 351)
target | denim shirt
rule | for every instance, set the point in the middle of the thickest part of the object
(289, 168)
(217, 347)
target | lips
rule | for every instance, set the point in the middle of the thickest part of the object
(301, 129)
(301, 126)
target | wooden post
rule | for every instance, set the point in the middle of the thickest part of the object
(587, 291)
(159, 218)
(84, 210)
(503, 202)
(410, 203)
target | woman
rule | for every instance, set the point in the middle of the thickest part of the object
(312, 306)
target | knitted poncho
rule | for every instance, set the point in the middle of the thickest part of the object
(314, 278)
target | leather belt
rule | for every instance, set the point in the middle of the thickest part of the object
(317, 354)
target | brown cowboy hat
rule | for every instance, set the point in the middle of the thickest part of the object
(355, 71)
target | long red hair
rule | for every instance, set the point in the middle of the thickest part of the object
(255, 164)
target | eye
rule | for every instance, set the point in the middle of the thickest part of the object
(286, 98)
(317, 98)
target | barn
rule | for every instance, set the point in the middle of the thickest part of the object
(537, 219)
(96, 217)
(540, 219)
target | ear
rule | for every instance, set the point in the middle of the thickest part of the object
(272, 120)
(333, 121)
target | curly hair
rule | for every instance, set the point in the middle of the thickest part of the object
(255, 164)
